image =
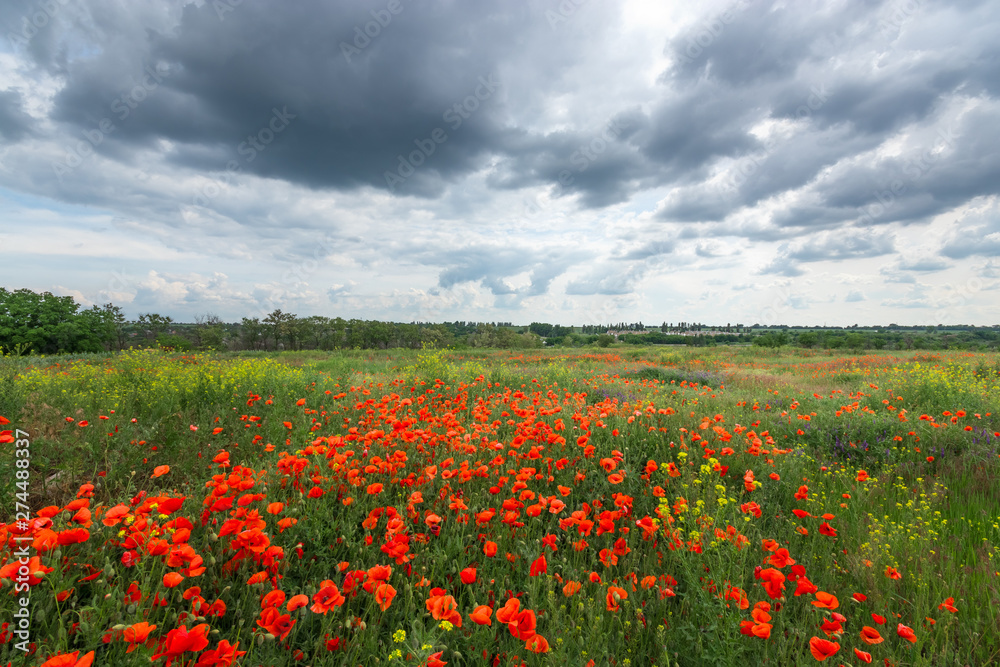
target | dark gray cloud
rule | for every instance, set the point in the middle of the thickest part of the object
(15, 124)
(494, 149)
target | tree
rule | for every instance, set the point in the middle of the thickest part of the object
(543, 329)
(44, 323)
(153, 324)
(208, 332)
(252, 334)
(101, 328)
(277, 325)
(808, 338)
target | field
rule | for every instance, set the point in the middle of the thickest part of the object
(720, 506)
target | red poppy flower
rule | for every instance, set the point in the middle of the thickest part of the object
(384, 595)
(326, 597)
(223, 656)
(69, 660)
(871, 636)
(825, 601)
(522, 626)
(540, 566)
(482, 615)
(171, 579)
(537, 644)
(137, 634)
(181, 640)
(822, 649)
(276, 623)
(297, 602)
(506, 613)
(948, 604)
(615, 594)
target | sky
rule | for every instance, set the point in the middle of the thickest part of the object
(564, 161)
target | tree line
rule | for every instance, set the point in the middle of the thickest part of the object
(42, 323)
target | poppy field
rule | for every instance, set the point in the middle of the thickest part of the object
(701, 507)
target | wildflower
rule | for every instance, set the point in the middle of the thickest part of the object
(540, 566)
(444, 608)
(906, 633)
(614, 595)
(482, 615)
(507, 612)
(825, 601)
(537, 644)
(172, 579)
(328, 596)
(870, 635)
(181, 640)
(522, 626)
(137, 634)
(773, 582)
(222, 656)
(384, 595)
(70, 660)
(822, 649)
(276, 623)
(297, 602)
